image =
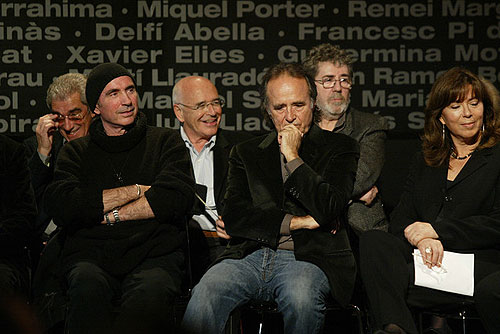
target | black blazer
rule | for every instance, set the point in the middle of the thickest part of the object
(257, 201)
(223, 145)
(41, 175)
(465, 214)
(17, 202)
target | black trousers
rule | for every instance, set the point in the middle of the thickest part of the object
(387, 271)
(140, 302)
(204, 250)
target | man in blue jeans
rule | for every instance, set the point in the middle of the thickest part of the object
(285, 210)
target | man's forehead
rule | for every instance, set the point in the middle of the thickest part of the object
(286, 87)
(326, 67)
(201, 91)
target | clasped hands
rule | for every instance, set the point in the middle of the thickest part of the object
(423, 236)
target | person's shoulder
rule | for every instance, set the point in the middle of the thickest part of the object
(362, 118)
(160, 131)
(234, 137)
(9, 144)
(256, 142)
(30, 141)
(332, 138)
(493, 150)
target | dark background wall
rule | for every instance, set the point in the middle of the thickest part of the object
(400, 47)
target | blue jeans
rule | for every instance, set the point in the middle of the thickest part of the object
(299, 288)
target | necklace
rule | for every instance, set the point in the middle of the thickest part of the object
(455, 156)
(118, 173)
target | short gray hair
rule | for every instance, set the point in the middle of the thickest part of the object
(64, 86)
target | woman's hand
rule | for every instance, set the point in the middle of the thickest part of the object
(417, 231)
(432, 252)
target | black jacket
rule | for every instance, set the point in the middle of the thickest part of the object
(257, 201)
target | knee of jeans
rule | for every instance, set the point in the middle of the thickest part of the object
(304, 292)
(207, 289)
(301, 299)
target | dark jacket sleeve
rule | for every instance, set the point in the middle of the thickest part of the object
(171, 195)
(405, 212)
(247, 214)
(41, 175)
(324, 191)
(372, 153)
(18, 210)
(71, 201)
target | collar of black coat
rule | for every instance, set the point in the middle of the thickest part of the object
(135, 132)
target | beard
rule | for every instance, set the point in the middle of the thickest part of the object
(333, 110)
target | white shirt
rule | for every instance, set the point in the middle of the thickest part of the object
(203, 166)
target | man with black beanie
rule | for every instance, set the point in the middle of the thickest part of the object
(120, 195)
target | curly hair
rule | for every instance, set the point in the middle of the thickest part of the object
(64, 86)
(327, 53)
(294, 70)
(453, 86)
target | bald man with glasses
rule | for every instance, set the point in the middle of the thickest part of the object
(198, 106)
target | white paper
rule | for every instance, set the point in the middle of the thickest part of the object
(456, 275)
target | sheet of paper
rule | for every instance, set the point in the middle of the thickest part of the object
(455, 275)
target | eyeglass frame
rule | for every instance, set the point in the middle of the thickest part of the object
(62, 118)
(216, 103)
(334, 81)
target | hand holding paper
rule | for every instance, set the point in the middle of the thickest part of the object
(456, 273)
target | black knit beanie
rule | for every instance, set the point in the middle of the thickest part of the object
(99, 77)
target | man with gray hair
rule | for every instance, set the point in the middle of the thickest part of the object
(332, 70)
(69, 118)
(285, 203)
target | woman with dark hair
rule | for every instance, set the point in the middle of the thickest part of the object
(451, 201)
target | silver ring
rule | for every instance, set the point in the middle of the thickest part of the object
(428, 250)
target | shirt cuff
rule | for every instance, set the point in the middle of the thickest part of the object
(291, 166)
(45, 159)
(285, 224)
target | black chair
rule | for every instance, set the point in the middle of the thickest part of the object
(269, 319)
(182, 301)
(463, 313)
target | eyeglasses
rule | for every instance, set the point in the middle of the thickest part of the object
(330, 81)
(217, 103)
(72, 117)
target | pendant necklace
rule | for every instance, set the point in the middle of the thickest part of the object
(116, 173)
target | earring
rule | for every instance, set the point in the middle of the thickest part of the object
(443, 133)
(482, 128)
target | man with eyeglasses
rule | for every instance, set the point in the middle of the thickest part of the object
(69, 118)
(198, 107)
(120, 196)
(284, 208)
(332, 70)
